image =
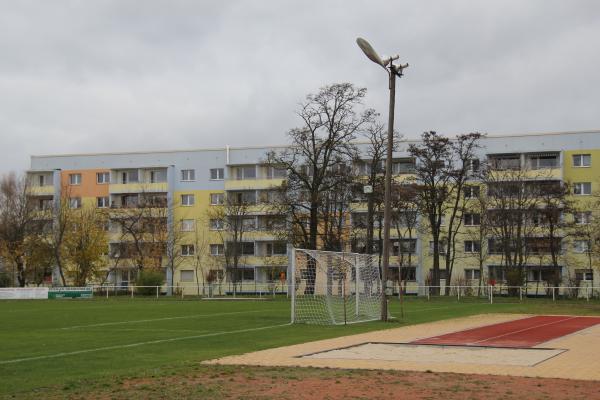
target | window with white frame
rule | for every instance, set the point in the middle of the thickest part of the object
(582, 188)
(472, 246)
(187, 275)
(102, 177)
(187, 199)
(581, 246)
(188, 175)
(188, 225)
(472, 166)
(584, 275)
(471, 192)
(217, 199)
(472, 219)
(187, 250)
(245, 172)
(217, 174)
(75, 202)
(102, 202)
(217, 249)
(74, 179)
(582, 217)
(582, 160)
(472, 274)
(216, 224)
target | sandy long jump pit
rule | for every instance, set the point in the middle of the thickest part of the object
(552, 346)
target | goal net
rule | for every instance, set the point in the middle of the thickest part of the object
(333, 288)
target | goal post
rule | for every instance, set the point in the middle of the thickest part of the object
(334, 288)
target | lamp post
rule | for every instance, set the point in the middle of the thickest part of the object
(393, 70)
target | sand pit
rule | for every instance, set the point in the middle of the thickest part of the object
(574, 356)
(439, 354)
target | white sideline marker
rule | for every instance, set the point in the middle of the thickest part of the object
(138, 321)
(125, 346)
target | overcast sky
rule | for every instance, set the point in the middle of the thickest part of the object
(103, 76)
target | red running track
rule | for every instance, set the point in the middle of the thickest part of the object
(526, 332)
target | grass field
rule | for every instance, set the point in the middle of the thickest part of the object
(70, 346)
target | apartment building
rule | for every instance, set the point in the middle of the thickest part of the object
(184, 187)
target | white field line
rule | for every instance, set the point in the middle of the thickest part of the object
(138, 321)
(522, 330)
(130, 345)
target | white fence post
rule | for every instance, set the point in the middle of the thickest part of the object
(157, 292)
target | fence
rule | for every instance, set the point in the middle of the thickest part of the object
(490, 293)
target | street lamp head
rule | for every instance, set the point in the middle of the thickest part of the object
(369, 51)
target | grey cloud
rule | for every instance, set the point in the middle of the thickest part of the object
(87, 76)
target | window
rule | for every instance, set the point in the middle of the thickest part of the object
(404, 246)
(471, 192)
(472, 166)
(75, 202)
(216, 199)
(246, 172)
(441, 247)
(472, 274)
(188, 225)
(102, 202)
(45, 204)
(187, 275)
(472, 246)
(217, 174)
(216, 224)
(505, 161)
(103, 177)
(403, 166)
(249, 223)
(584, 275)
(276, 248)
(582, 160)
(187, 199)
(188, 175)
(581, 246)
(217, 250)
(187, 250)
(44, 180)
(75, 179)
(544, 160)
(130, 176)
(158, 176)
(583, 217)
(472, 219)
(247, 248)
(276, 173)
(582, 188)
(244, 274)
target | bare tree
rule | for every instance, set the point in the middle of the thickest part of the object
(16, 223)
(320, 152)
(441, 172)
(232, 220)
(512, 196)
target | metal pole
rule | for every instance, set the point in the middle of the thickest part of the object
(292, 279)
(356, 287)
(387, 212)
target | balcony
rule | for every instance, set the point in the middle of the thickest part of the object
(115, 188)
(252, 184)
(46, 190)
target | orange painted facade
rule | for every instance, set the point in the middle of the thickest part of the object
(89, 186)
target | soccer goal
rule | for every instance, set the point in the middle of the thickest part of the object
(334, 288)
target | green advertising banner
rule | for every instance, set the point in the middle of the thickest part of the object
(70, 293)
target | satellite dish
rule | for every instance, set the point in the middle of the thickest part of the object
(369, 51)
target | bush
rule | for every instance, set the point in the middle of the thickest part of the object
(149, 278)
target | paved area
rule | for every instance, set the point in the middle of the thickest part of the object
(580, 360)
